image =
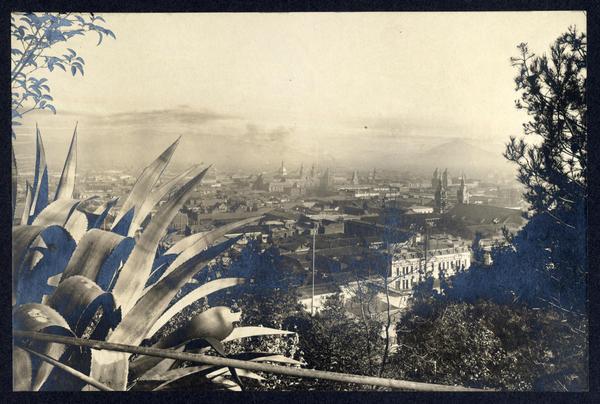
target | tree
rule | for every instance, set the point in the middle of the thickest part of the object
(334, 340)
(553, 168)
(521, 323)
(484, 344)
(36, 39)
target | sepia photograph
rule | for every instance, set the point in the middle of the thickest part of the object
(299, 201)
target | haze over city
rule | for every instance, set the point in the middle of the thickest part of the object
(338, 89)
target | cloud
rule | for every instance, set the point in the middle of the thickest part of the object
(257, 133)
(183, 115)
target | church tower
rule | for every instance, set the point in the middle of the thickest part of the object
(355, 180)
(441, 199)
(373, 176)
(445, 179)
(282, 170)
(325, 182)
(301, 170)
(435, 179)
(463, 192)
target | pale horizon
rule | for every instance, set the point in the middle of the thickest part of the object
(248, 90)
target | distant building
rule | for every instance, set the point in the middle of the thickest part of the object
(276, 186)
(282, 170)
(409, 266)
(355, 180)
(373, 176)
(435, 179)
(445, 179)
(441, 198)
(259, 183)
(462, 195)
(326, 182)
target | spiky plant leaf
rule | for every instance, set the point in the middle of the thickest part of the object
(155, 196)
(55, 245)
(184, 243)
(22, 238)
(97, 217)
(250, 331)
(66, 185)
(135, 272)
(91, 252)
(78, 299)
(21, 370)
(122, 226)
(146, 181)
(209, 372)
(58, 212)
(240, 372)
(206, 240)
(41, 318)
(112, 367)
(216, 322)
(27, 204)
(40, 180)
(190, 298)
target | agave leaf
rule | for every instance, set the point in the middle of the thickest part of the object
(22, 371)
(112, 367)
(150, 367)
(174, 374)
(58, 212)
(278, 359)
(216, 322)
(22, 238)
(206, 240)
(40, 180)
(193, 296)
(159, 267)
(111, 267)
(197, 380)
(135, 272)
(225, 384)
(122, 226)
(78, 299)
(205, 371)
(41, 318)
(240, 372)
(184, 243)
(92, 251)
(146, 181)
(77, 225)
(27, 205)
(96, 218)
(209, 327)
(66, 185)
(249, 331)
(264, 357)
(154, 197)
(32, 280)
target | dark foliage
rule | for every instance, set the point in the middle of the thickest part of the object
(484, 344)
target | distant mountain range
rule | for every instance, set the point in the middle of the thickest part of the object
(459, 155)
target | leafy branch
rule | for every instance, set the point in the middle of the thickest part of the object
(35, 37)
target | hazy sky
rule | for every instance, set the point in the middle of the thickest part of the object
(247, 88)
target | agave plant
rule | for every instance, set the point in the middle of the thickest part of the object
(70, 277)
